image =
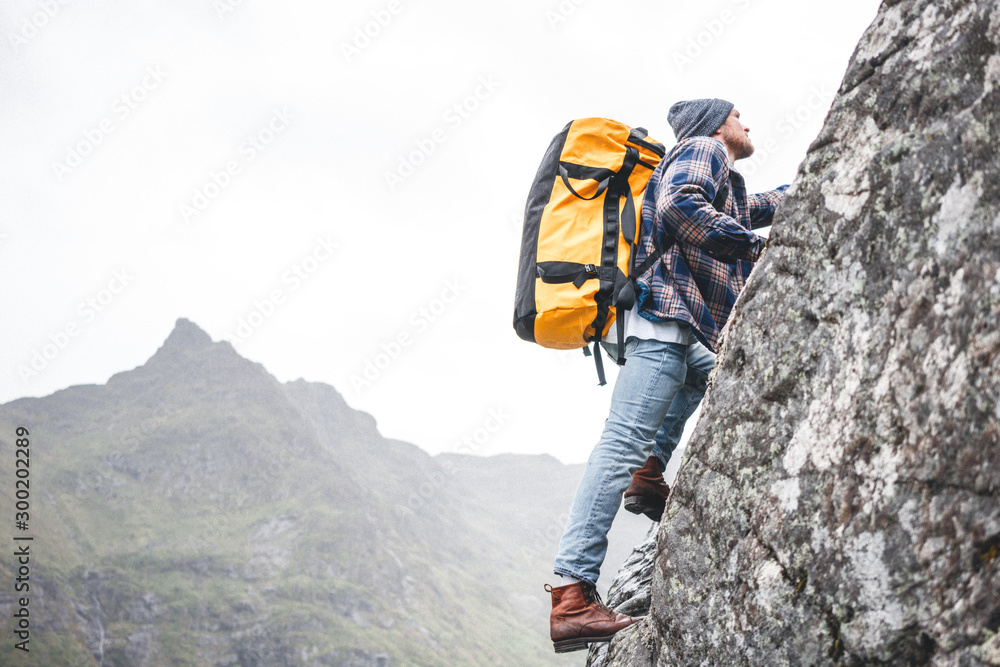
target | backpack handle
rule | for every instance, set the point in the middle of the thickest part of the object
(602, 176)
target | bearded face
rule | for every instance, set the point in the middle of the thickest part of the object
(735, 136)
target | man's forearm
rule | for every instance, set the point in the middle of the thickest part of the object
(763, 205)
(695, 222)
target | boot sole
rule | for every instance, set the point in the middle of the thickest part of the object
(638, 505)
(579, 644)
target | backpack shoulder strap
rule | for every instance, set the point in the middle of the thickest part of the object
(719, 204)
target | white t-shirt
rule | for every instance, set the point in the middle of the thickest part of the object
(637, 326)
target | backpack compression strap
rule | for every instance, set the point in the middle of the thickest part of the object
(612, 279)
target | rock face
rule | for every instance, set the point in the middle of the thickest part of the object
(840, 499)
(629, 592)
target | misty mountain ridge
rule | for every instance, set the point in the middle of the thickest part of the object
(196, 511)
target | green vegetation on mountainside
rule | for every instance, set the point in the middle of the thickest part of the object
(194, 511)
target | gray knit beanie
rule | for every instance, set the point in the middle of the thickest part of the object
(698, 118)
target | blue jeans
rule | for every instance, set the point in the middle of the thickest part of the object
(659, 387)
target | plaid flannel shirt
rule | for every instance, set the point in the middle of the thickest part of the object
(708, 254)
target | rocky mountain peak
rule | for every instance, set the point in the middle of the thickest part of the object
(189, 342)
(192, 360)
(187, 336)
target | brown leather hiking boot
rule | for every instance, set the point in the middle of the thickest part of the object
(647, 494)
(579, 618)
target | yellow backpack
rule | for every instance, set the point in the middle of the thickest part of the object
(578, 242)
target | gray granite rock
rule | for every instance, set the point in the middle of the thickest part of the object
(629, 592)
(839, 503)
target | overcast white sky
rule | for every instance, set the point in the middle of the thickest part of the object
(338, 186)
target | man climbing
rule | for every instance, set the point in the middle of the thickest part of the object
(696, 233)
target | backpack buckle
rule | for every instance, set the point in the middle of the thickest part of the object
(583, 276)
